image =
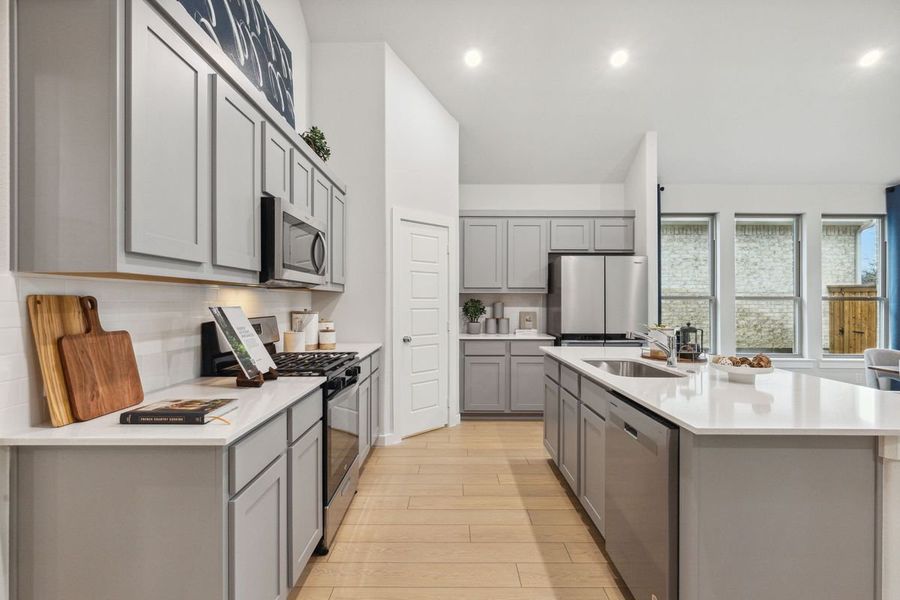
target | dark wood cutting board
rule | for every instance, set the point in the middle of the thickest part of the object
(52, 317)
(100, 368)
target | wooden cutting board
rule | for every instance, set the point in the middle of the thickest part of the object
(52, 317)
(100, 368)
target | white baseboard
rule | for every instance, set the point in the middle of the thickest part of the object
(454, 420)
(389, 439)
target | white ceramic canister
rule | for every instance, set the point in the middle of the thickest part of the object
(311, 332)
(294, 341)
(327, 336)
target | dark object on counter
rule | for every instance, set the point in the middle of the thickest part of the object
(257, 381)
(689, 342)
(52, 317)
(178, 412)
(100, 367)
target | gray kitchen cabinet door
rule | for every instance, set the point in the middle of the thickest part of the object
(486, 384)
(321, 198)
(302, 178)
(526, 254)
(568, 438)
(276, 163)
(570, 234)
(551, 418)
(483, 253)
(592, 466)
(364, 399)
(526, 374)
(375, 409)
(258, 537)
(305, 501)
(167, 199)
(237, 130)
(338, 237)
(614, 235)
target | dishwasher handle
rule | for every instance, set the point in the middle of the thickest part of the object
(630, 430)
(647, 441)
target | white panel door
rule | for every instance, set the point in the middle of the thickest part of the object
(421, 389)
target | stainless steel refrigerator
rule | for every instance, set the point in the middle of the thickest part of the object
(595, 299)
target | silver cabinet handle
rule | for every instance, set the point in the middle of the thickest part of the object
(406, 339)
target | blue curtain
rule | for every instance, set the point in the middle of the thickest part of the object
(893, 264)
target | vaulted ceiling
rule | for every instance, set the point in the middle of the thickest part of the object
(748, 91)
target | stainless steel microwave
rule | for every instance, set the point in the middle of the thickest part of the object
(295, 247)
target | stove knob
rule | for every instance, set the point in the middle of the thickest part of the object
(354, 371)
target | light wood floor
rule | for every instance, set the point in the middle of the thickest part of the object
(475, 512)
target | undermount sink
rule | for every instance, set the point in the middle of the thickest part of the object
(631, 368)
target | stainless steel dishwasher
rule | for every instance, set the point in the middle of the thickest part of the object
(642, 500)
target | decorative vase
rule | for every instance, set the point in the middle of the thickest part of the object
(473, 328)
(490, 326)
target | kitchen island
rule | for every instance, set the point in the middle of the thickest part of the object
(784, 488)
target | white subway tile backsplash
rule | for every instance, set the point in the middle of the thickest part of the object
(163, 319)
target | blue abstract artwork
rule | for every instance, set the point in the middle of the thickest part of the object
(245, 33)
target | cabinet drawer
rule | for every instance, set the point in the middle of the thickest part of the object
(304, 414)
(551, 369)
(595, 397)
(568, 379)
(250, 455)
(528, 348)
(376, 361)
(365, 368)
(484, 348)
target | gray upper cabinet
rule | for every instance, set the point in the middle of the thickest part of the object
(551, 418)
(614, 235)
(570, 234)
(526, 254)
(276, 163)
(305, 513)
(526, 376)
(338, 238)
(302, 177)
(321, 199)
(168, 163)
(258, 544)
(568, 438)
(482, 253)
(237, 131)
(592, 465)
(486, 384)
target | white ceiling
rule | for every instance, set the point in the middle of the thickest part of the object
(750, 91)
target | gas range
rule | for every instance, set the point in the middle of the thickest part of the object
(218, 360)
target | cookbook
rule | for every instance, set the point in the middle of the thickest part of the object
(179, 412)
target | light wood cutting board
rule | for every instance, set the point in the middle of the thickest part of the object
(100, 368)
(52, 317)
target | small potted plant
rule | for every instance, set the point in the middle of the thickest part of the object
(315, 137)
(474, 309)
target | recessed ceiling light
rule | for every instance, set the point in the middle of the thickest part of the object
(473, 57)
(870, 58)
(618, 59)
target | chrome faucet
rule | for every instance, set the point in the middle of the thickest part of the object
(670, 348)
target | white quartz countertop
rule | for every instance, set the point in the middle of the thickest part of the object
(504, 336)
(780, 403)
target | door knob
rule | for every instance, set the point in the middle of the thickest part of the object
(406, 339)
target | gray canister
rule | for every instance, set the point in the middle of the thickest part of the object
(502, 326)
(498, 310)
(490, 325)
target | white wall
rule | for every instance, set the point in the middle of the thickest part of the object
(601, 196)
(287, 15)
(810, 201)
(640, 196)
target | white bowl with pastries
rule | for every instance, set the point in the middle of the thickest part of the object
(742, 369)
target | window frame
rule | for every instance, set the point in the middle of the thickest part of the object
(797, 298)
(710, 337)
(882, 300)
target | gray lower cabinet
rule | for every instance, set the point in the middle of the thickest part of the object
(526, 373)
(592, 466)
(276, 164)
(485, 380)
(375, 408)
(237, 131)
(568, 438)
(338, 238)
(364, 398)
(305, 515)
(526, 254)
(551, 418)
(167, 211)
(257, 542)
(482, 253)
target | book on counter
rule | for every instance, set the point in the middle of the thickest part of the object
(178, 412)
